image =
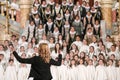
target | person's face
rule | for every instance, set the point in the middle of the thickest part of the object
(91, 49)
(90, 30)
(67, 56)
(77, 38)
(40, 27)
(72, 29)
(44, 37)
(49, 20)
(1, 48)
(94, 39)
(44, 2)
(11, 62)
(71, 54)
(112, 48)
(33, 40)
(90, 62)
(100, 62)
(85, 42)
(94, 58)
(60, 37)
(96, 22)
(57, 46)
(82, 54)
(73, 62)
(96, 3)
(32, 23)
(73, 46)
(110, 62)
(81, 61)
(22, 48)
(23, 38)
(77, 3)
(29, 45)
(88, 13)
(36, 49)
(107, 39)
(6, 43)
(51, 40)
(1, 57)
(57, 5)
(76, 58)
(77, 18)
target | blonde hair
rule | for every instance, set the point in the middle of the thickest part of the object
(44, 52)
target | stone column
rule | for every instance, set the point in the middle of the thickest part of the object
(106, 6)
(25, 8)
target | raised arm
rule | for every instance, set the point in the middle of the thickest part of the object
(23, 60)
(57, 63)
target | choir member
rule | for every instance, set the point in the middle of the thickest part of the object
(72, 35)
(113, 51)
(37, 20)
(47, 15)
(90, 70)
(59, 23)
(97, 29)
(70, 5)
(118, 70)
(64, 6)
(23, 71)
(44, 39)
(81, 71)
(1, 70)
(67, 16)
(101, 73)
(51, 43)
(78, 42)
(88, 36)
(34, 41)
(88, 19)
(34, 11)
(41, 10)
(72, 70)
(10, 73)
(58, 10)
(85, 47)
(30, 50)
(75, 12)
(49, 27)
(30, 31)
(91, 52)
(108, 42)
(51, 4)
(56, 33)
(87, 7)
(36, 3)
(40, 32)
(77, 24)
(66, 29)
(54, 56)
(111, 70)
(63, 71)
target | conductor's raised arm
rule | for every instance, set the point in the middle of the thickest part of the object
(57, 63)
(23, 60)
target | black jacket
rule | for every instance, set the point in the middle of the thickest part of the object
(39, 69)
